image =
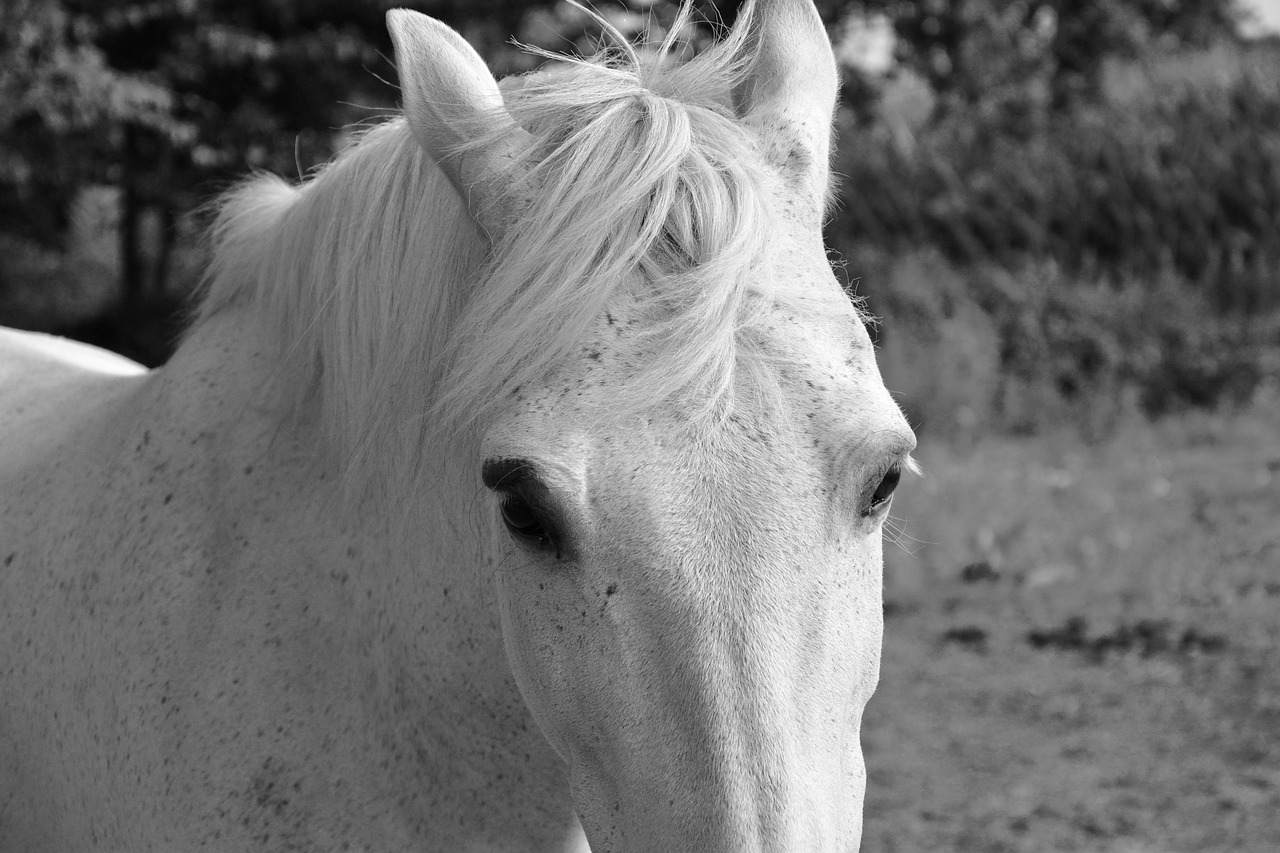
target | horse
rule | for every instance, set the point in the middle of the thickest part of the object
(518, 486)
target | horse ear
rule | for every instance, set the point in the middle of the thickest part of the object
(451, 99)
(790, 89)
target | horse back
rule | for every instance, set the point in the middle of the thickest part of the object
(58, 400)
(47, 382)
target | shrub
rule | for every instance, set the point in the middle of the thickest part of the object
(1121, 255)
(969, 349)
(1187, 184)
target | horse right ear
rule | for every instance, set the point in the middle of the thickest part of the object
(790, 91)
(451, 99)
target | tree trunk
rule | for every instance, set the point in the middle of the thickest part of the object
(130, 210)
(160, 270)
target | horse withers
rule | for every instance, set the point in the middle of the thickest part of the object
(518, 487)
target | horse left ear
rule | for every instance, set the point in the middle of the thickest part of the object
(790, 90)
(450, 99)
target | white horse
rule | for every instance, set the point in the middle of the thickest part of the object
(519, 486)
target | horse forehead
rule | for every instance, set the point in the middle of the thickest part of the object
(809, 353)
(795, 414)
(730, 497)
(806, 379)
(811, 347)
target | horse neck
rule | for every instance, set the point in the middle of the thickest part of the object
(360, 275)
(319, 333)
(388, 619)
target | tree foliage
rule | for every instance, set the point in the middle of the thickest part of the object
(1028, 51)
(169, 100)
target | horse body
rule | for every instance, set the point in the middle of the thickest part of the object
(211, 651)
(279, 595)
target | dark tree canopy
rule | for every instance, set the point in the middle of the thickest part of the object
(167, 101)
(968, 48)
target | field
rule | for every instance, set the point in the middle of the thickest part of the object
(1082, 644)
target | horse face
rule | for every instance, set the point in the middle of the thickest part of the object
(691, 606)
(693, 613)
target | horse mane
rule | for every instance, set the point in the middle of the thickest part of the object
(408, 325)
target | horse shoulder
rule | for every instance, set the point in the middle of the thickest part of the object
(58, 399)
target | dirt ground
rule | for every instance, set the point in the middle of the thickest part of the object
(1082, 645)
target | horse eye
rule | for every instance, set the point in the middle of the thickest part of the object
(885, 490)
(524, 524)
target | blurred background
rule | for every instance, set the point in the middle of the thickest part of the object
(1065, 208)
(1065, 213)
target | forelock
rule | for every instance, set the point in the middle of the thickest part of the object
(635, 173)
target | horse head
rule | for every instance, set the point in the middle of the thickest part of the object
(690, 479)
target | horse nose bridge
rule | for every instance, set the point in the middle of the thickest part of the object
(746, 806)
(725, 756)
(738, 677)
(732, 799)
(762, 644)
